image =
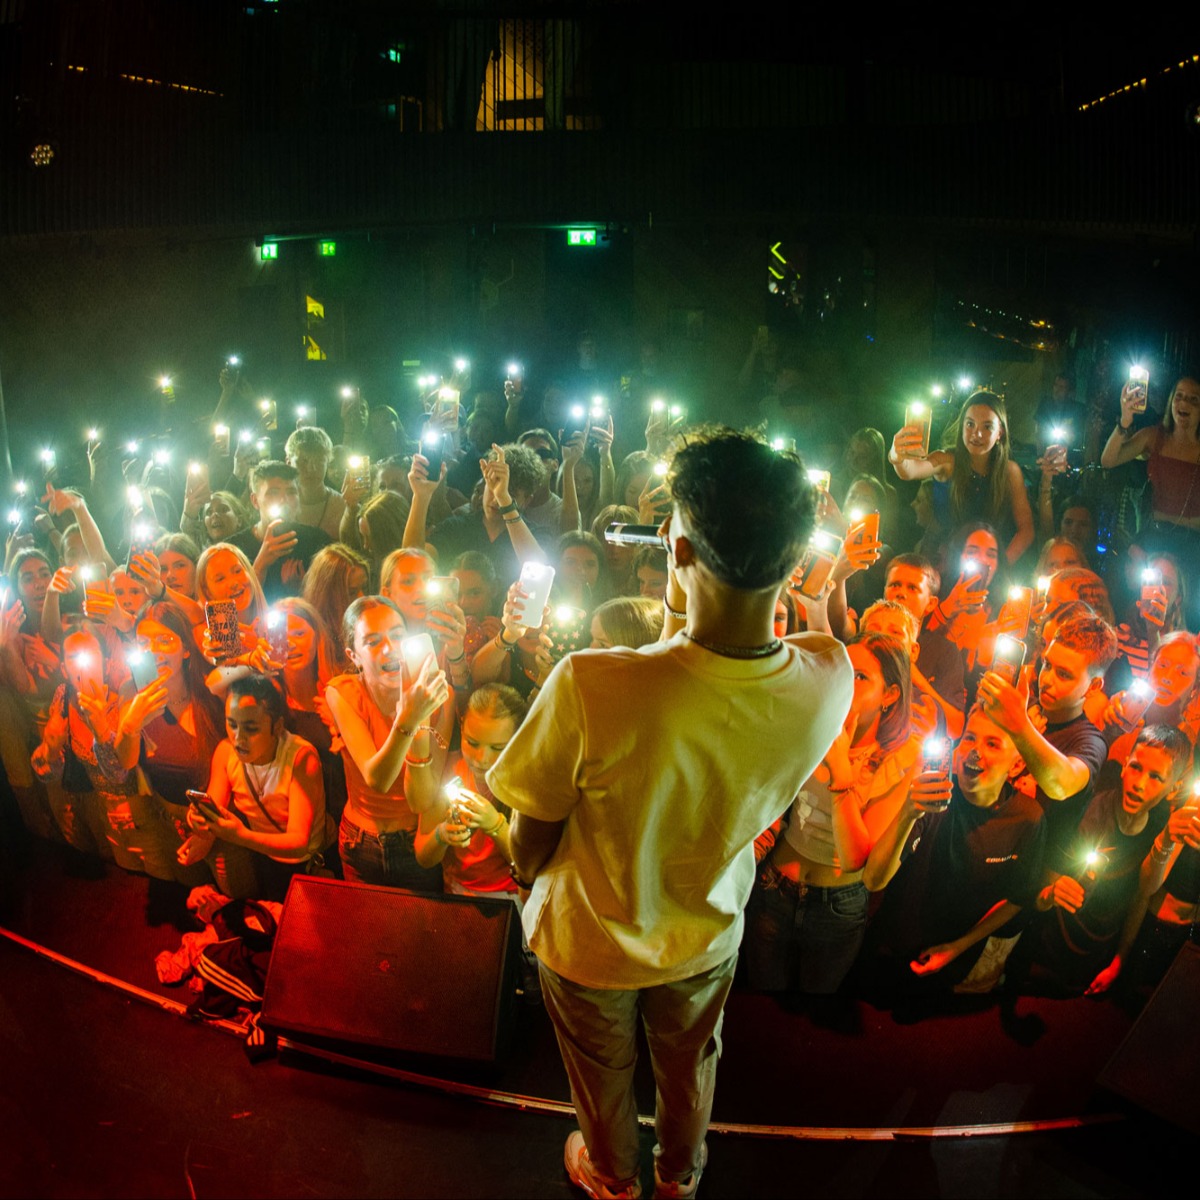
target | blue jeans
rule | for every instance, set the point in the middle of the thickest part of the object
(801, 937)
(386, 859)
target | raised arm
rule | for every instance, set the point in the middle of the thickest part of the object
(1018, 500)
(1124, 444)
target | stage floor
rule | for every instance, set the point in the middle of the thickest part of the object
(102, 1095)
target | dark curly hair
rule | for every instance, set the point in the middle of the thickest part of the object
(526, 472)
(749, 509)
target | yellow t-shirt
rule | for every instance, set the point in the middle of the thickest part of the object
(664, 763)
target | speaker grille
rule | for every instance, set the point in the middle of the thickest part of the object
(433, 975)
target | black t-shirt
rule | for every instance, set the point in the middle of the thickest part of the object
(956, 867)
(285, 576)
(1074, 946)
(941, 662)
(1080, 739)
(466, 531)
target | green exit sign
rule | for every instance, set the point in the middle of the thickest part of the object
(328, 249)
(581, 237)
(269, 250)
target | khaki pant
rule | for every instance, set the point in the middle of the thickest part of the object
(597, 1031)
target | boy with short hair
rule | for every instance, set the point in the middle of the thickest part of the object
(1089, 888)
(1065, 757)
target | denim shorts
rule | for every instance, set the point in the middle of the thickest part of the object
(802, 937)
(386, 859)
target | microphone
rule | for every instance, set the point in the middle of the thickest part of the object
(619, 534)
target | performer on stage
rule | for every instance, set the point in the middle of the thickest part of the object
(640, 780)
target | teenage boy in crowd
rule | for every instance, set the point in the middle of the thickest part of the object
(1065, 756)
(1088, 889)
(959, 860)
(913, 581)
(279, 547)
(640, 780)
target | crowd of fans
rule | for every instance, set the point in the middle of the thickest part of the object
(291, 655)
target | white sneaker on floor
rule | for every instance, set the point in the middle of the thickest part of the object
(583, 1175)
(679, 1189)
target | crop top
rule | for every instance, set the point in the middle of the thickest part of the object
(1174, 482)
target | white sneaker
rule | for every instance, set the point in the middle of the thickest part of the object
(679, 1189)
(583, 1174)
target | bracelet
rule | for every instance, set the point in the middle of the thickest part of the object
(419, 762)
(1123, 433)
(437, 837)
(512, 520)
(506, 646)
(451, 661)
(495, 829)
(1161, 852)
(412, 733)
(850, 787)
(523, 884)
(671, 612)
(509, 507)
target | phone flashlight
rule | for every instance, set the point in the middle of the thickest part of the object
(244, 437)
(264, 406)
(234, 361)
(1058, 435)
(564, 613)
(275, 511)
(1151, 577)
(936, 391)
(22, 487)
(855, 515)
(657, 405)
(965, 383)
(971, 566)
(263, 445)
(1043, 585)
(347, 392)
(162, 457)
(93, 435)
(676, 410)
(82, 660)
(661, 467)
(132, 447)
(46, 455)
(141, 532)
(133, 497)
(453, 789)
(302, 411)
(514, 370)
(578, 412)
(460, 365)
(164, 381)
(220, 431)
(1015, 592)
(14, 516)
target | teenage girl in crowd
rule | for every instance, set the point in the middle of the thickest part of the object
(385, 730)
(816, 864)
(973, 476)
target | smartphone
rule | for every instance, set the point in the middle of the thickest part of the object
(143, 666)
(205, 803)
(598, 412)
(221, 617)
(1154, 596)
(920, 414)
(441, 589)
(1094, 863)
(359, 468)
(447, 401)
(1009, 658)
(537, 579)
(937, 754)
(819, 480)
(197, 478)
(434, 449)
(577, 424)
(1139, 379)
(415, 650)
(782, 445)
(1136, 700)
(1017, 611)
(141, 540)
(811, 576)
(270, 414)
(221, 440)
(865, 528)
(568, 630)
(277, 636)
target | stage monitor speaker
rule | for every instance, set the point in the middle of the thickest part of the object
(428, 975)
(1155, 1065)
